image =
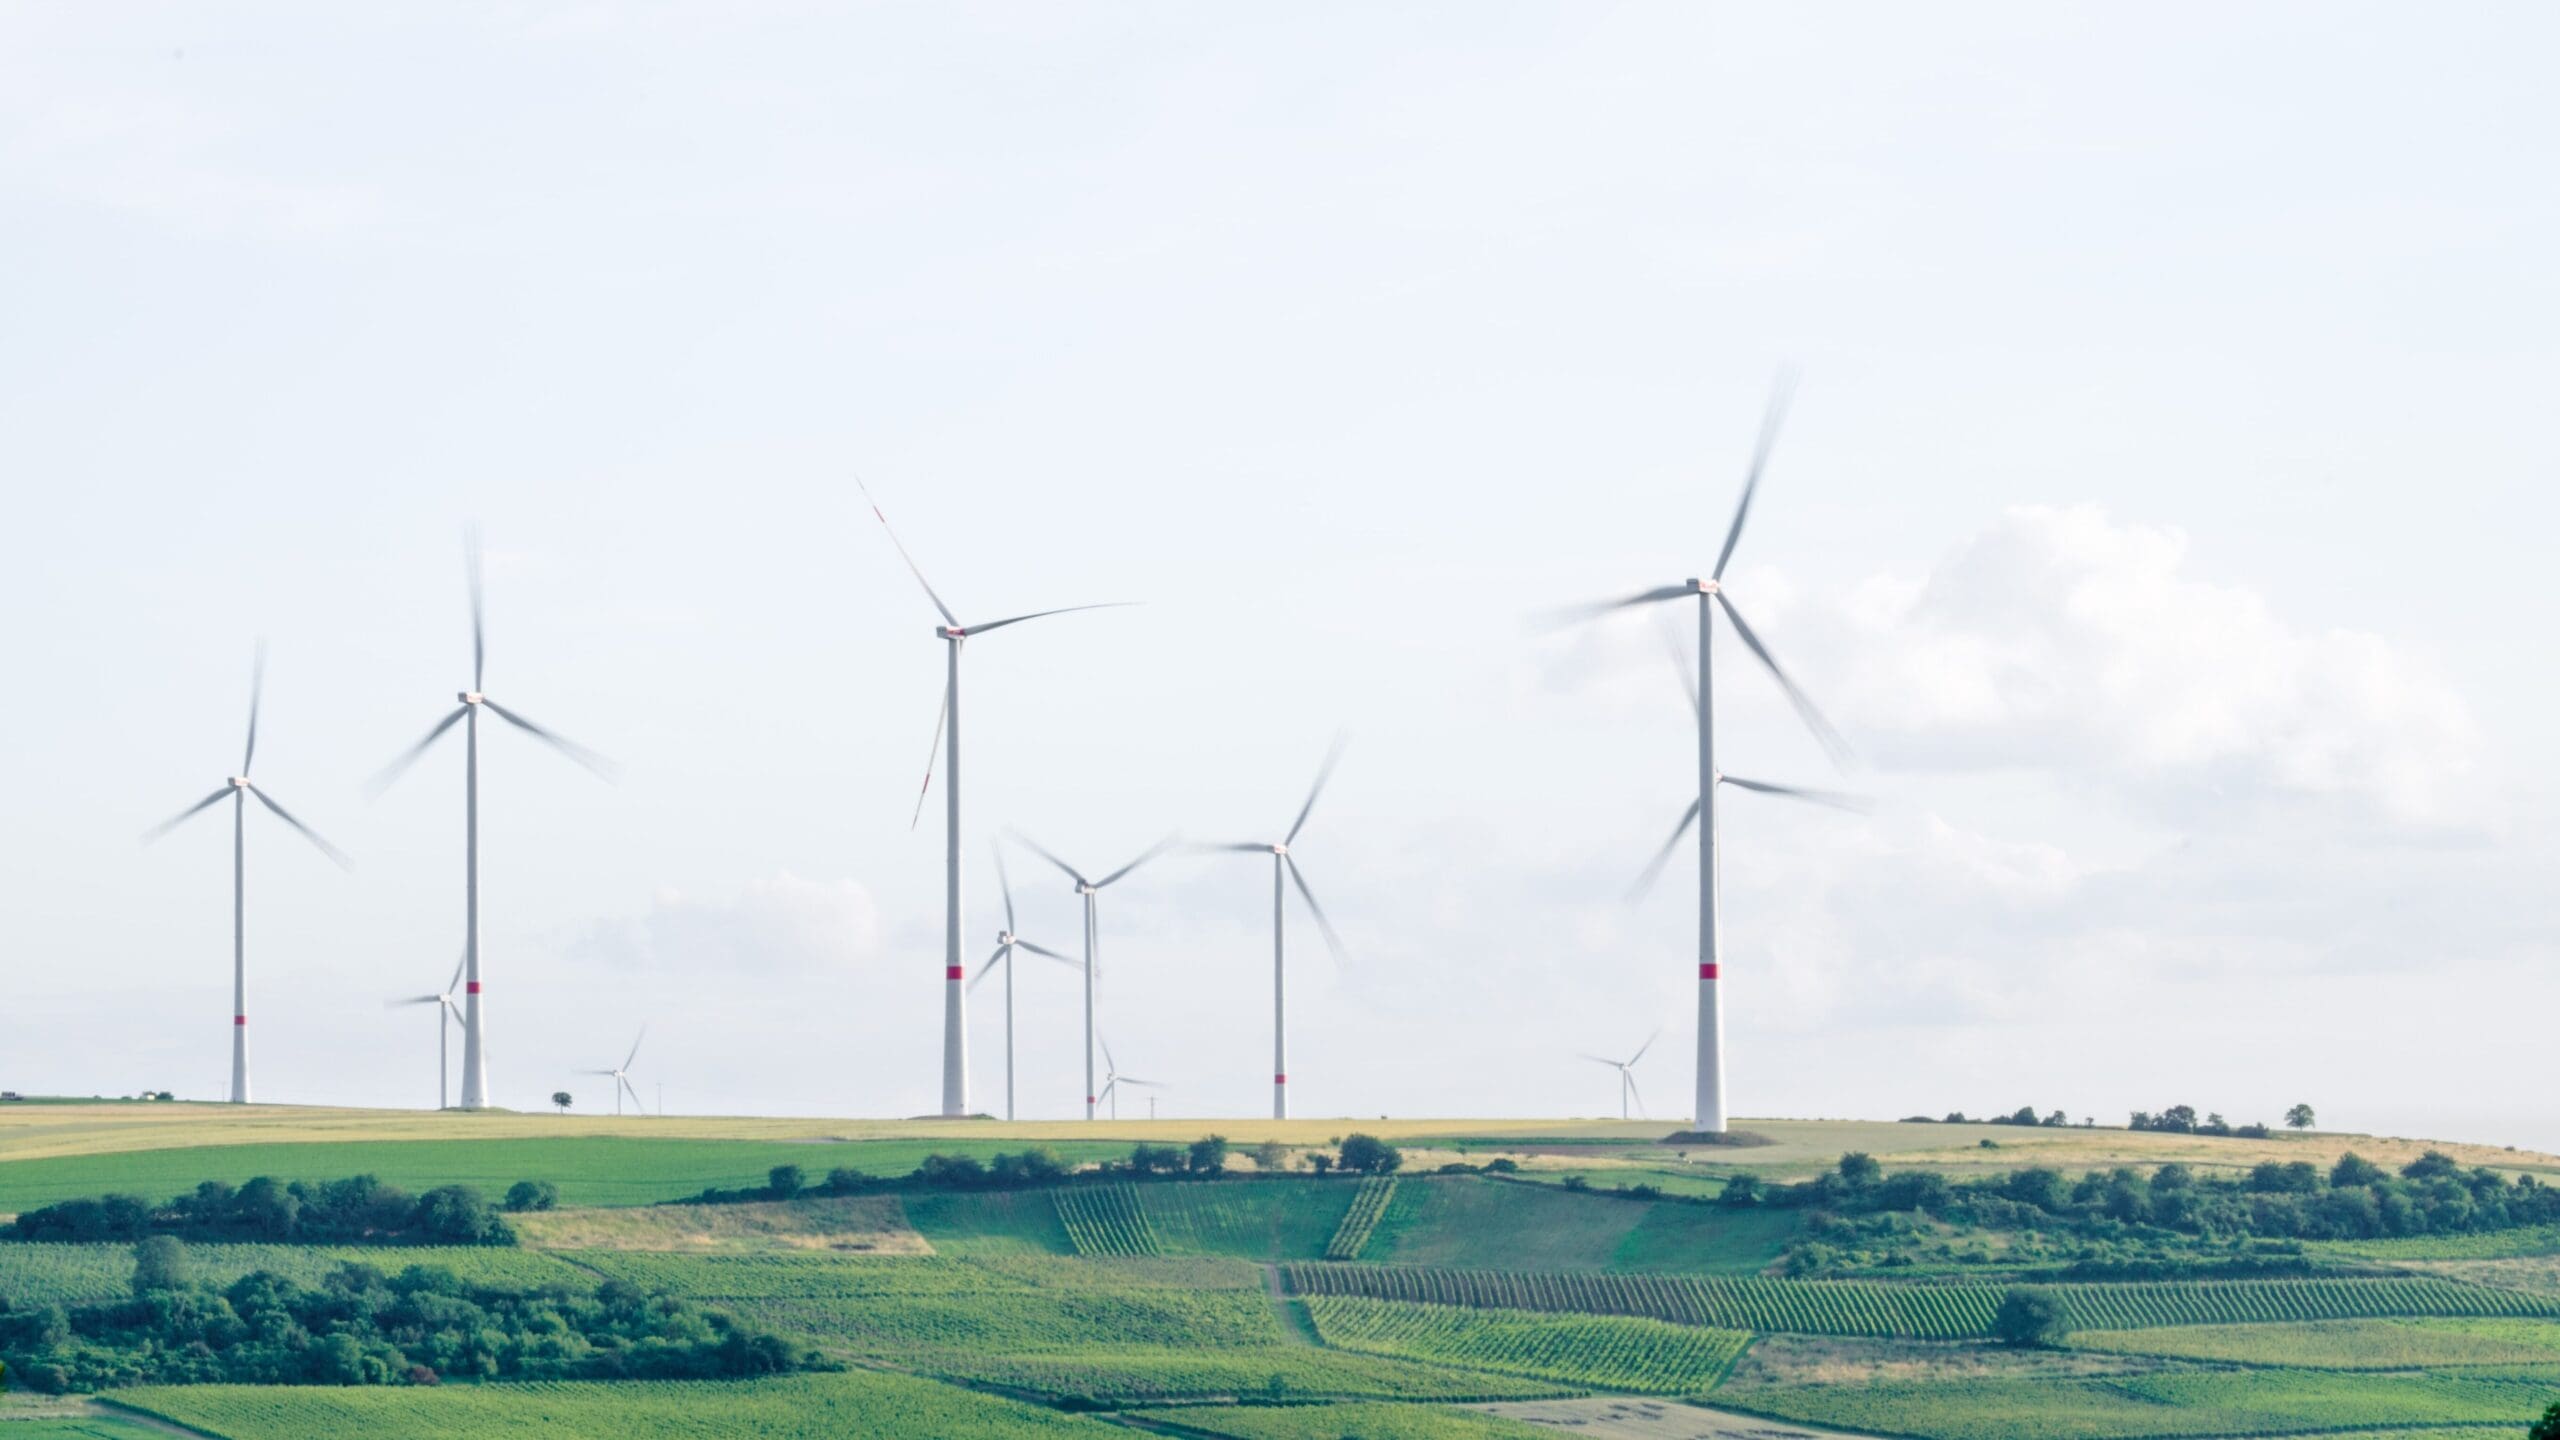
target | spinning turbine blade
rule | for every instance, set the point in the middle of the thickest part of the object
(947, 617)
(1134, 1080)
(1036, 849)
(1046, 953)
(1574, 614)
(382, 778)
(989, 968)
(1332, 757)
(1823, 731)
(603, 768)
(940, 717)
(332, 851)
(1331, 940)
(636, 1106)
(1634, 1089)
(1662, 857)
(172, 823)
(412, 1000)
(1681, 661)
(1153, 851)
(449, 985)
(1037, 614)
(1599, 1059)
(1004, 883)
(257, 689)
(1647, 1045)
(1780, 393)
(635, 1047)
(1836, 799)
(479, 642)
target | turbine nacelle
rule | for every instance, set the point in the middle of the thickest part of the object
(949, 632)
(470, 697)
(1705, 587)
(239, 782)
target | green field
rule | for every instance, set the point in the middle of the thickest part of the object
(817, 1407)
(1599, 1352)
(2345, 1344)
(2164, 1403)
(601, 1170)
(1361, 1421)
(69, 1274)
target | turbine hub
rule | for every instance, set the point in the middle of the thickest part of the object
(1704, 587)
(469, 697)
(1281, 849)
(239, 782)
(1085, 887)
(949, 632)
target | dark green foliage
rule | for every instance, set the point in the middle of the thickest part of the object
(358, 1210)
(2546, 1428)
(1740, 1188)
(359, 1327)
(1209, 1155)
(1369, 1155)
(845, 1180)
(2030, 1317)
(2354, 1169)
(1155, 1159)
(1858, 1170)
(532, 1195)
(2301, 1117)
(785, 1181)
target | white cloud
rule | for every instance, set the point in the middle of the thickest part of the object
(785, 925)
(2062, 640)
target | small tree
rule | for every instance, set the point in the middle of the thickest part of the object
(785, 1181)
(2300, 1118)
(1270, 1157)
(2029, 1318)
(561, 1099)
(2548, 1427)
(1740, 1188)
(160, 1263)
(1209, 1155)
(532, 1195)
(2353, 1169)
(1858, 1170)
(1369, 1155)
(1319, 1162)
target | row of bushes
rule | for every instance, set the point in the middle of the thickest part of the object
(359, 1210)
(1036, 1167)
(360, 1327)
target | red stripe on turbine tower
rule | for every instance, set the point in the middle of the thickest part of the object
(1706, 972)
(473, 987)
(1279, 1079)
(950, 972)
(239, 1019)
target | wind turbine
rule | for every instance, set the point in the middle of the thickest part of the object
(1113, 1080)
(946, 726)
(1627, 1074)
(1006, 943)
(1089, 889)
(621, 1076)
(475, 1054)
(1711, 595)
(1283, 865)
(237, 790)
(446, 1010)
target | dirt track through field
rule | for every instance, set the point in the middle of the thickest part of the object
(1614, 1417)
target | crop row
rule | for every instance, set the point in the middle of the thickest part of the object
(1603, 1352)
(1132, 1375)
(1031, 1321)
(39, 1274)
(1913, 1312)
(1367, 1206)
(1105, 1220)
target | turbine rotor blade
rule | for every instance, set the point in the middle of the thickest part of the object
(1037, 849)
(457, 973)
(1599, 1059)
(1634, 1089)
(1134, 1080)
(603, 768)
(1323, 923)
(989, 968)
(1045, 953)
(1683, 662)
(1836, 799)
(257, 690)
(1038, 614)
(947, 617)
(635, 1047)
(1577, 614)
(174, 821)
(1662, 857)
(1245, 846)
(1647, 1045)
(383, 778)
(627, 1089)
(1781, 392)
(1823, 731)
(479, 640)
(332, 851)
(940, 717)
(1332, 757)
(1152, 852)
(1004, 883)
(412, 1000)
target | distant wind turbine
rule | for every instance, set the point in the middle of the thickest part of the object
(946, 726)
(1711, 595)
(475, 1052)
(237, 790)
(1006, 943)
(1627, 1074)
(621, 1076)
(1113, 1080)
(1285, 866)
(446, 1010)
(1089, 889)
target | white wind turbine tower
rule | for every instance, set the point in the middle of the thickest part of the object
(1627, 1074)
(621, 1075)
(953, 634)
(1113, 1080)
(475, 1052)
(446, 1010)
(237, 790)
(1285, 866)
(1711, 595)
(1089, 890)
(1006, 943)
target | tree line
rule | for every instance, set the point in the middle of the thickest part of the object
(360, 1327)
(359, 1210)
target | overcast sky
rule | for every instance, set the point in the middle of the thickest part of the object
(2164, 518)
